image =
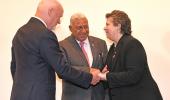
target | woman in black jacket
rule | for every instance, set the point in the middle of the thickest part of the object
(127, 73)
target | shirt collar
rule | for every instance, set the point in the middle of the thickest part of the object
(86, 41)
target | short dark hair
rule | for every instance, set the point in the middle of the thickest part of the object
(120, 17)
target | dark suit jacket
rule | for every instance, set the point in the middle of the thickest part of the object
(129, 77)
(77, 59)
(35, 59)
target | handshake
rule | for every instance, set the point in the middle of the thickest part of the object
(97, 75)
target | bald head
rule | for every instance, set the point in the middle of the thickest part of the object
(50, 12)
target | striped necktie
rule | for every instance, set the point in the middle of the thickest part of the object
(84, 51)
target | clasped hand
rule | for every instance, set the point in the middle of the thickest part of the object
(97, 75)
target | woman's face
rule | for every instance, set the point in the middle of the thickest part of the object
(111, 30)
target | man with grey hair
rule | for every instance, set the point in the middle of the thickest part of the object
(87, 57)
(36, 57)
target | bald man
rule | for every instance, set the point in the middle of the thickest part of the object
(36, 57)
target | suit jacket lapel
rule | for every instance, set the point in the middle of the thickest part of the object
(79, 51)
(116, 53)
(115, 57)
(94, 51)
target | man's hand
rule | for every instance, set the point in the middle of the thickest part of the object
(95, 73)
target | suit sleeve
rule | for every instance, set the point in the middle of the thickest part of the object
(13, 64)
(85, 69)
(134, 60)
(52, 54)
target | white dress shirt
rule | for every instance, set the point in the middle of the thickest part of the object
(88, 50)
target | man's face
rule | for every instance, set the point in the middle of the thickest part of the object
(80, 29)
(59, 15)
(56, 15)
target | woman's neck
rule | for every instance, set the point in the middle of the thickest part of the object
(118, 38)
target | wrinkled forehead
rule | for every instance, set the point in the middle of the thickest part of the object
(80, 21)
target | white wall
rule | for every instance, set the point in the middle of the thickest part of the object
(150, 24)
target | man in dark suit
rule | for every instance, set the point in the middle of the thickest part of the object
(96, 50)
(129, 77)
(36, 57)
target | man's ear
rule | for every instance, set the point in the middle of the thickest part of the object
(70, 27)
(50, 11)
